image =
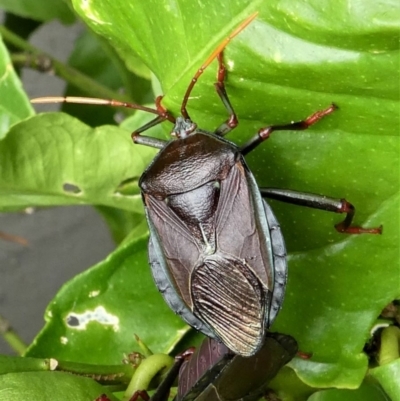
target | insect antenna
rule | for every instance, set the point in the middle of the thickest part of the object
(218, 50)
(159, 111)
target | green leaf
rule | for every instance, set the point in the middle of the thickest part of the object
(94, 57)
(94, 317)
(54, 159)
(40, 10)
(14, 104)
(120, 222)
(169, 37)
(368, 391)
(46, 386)
(329, 308)
(388, 377)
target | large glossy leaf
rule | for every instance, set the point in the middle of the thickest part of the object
(40, 10)
(298, 57)
(94, 57)
(54, 159)
(14, 104)
(170, 37)
(368, 391)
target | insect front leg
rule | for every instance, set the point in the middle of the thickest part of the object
(232, 121)
(323, 203)
(148, 140)
(264, 133)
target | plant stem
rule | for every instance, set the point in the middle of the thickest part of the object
(35, 56)
(102, 373)
(145, 373)
(11, 337)
(108, 374)
(390, 340)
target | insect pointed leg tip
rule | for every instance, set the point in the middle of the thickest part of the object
(377, 230)
(304, 355)
(341, 228)
(332, 107)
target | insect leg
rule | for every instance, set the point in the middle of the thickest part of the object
(148, 140)
(323, 203)
(264, 133)
(232, 121)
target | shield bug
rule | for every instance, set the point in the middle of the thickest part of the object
(216, 250)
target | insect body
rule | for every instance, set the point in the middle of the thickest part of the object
(211, 247)
(216, 250)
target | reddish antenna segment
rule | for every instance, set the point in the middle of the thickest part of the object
(159, 111)
(94, 101)
(211, 57)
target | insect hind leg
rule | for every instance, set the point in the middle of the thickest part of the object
(323, 203)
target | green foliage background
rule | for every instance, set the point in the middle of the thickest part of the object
(297, 57)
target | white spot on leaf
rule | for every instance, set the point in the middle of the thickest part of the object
(79, 321)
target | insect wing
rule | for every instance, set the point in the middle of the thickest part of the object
(165, 281)
(232, 288)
